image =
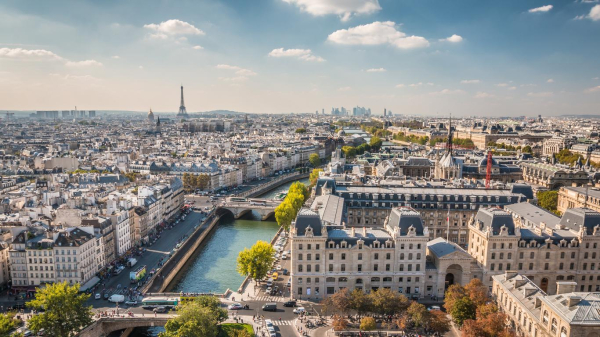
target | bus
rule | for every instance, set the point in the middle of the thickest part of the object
(161, 301)
(257, 202)
(136, 275)
(236, 199)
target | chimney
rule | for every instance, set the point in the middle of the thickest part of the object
(365, 231)
(564, 287)
(573, 300)
(353, 232)
(510, 274)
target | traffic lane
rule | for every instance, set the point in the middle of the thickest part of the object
(160, 249)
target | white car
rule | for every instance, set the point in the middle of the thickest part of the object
(268, 322)
(98, 296)
(279, 268)
(131, 303)
(299, 310)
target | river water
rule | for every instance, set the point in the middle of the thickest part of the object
(213, 267)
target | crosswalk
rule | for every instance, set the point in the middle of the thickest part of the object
(271, 299)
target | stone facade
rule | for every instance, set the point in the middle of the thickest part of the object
(572, 197)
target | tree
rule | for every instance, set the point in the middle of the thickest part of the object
(453, 293)
(340, 301)
(239, 333)
(339, 323)
(314, 160)
(65, 312)
(285, 214)
(418, 314)
(314, 175)
(478, 293)
(462, 310)
(384, 301)
(300, 130)
(439, 321)
(375, 143)
(548, 200)
(368, 324)
(256, 261)
(527, 149)
(214, 305)
(8, 322)
(360, 301)
(349, 151)
(299, 188)
(194, 319)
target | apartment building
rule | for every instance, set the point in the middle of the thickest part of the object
(75, 255)
(572, 197)
(545, 253)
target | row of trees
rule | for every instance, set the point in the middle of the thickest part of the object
(549, 201)
(192, 182)
(314, 175)
(199, 317)
(401, 136)
(372, 146)
(462, 142)
(406, 314)
(286, 212)
(314, 160)
(508, 147)
(473, 311)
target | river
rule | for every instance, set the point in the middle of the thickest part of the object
(213, 267)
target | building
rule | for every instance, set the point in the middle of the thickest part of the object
(533, 313)
(545, 253)
(573, 197)
(75, 255)
(553, 176)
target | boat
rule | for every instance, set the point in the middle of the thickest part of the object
(281, 195)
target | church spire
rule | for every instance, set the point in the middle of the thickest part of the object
(449, 141)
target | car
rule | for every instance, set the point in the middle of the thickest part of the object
(289, 282)
(106, 296)
(148, 307)
(289, 304)
(98, 296)
(285, 272)
(299, 310)
(131, 303)
(160, 309)
(270, 307)
(235, 306)
(269, 289)
(434, 307)
(268, 322)
(279, 268)
(272, 332)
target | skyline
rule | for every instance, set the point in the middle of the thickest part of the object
(281, 56)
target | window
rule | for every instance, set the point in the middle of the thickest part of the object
(331, 256)
(401, 268)
(376, 256)
(376, 267)
(548, 255)
(531, 266)
(492, 267)
(308, 257)
(360, 256)
(299, 257)
(343, 256)
(343, 267)
(330, 267)
(388, 256)
(300, 246)
(531, 255)
(387, 267)
(299, 268)
(520, 266)
(546, 265)
(309, 246)
(360, 268)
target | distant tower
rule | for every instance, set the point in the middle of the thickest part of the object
(182, 111)
(151, 116)
(158, 125)
(384, 112)
(246, 118)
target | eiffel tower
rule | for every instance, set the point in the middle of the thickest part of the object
(182, 112)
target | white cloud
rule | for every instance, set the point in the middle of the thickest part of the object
(68, 77)
(419, 84)
(596, 78)
(116, 57)
(345, 9)
(303, 54)
(454, 38)
(502, 84)
(481, 94)
(512, 88)
(344, 89)
(400, 85)
(594, 89)
(197, 47)
(550, 80)
(580, 17)
(242, 74)
(377, 33)
(594, 13)
(448, 92)
(541, 9)
(470, 81)
(172, 27)
(86, 63)
(376, 70)
(29, 54)
(540, 94)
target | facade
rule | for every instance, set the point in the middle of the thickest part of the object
(533, 313)
(552, 176)
(545, 253)
(75, 255)
(572, 197)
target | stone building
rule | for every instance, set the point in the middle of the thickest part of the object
(533, 313)
(445, 211)
(545, 253)
(397, 256)
(553, 176)
(572, 197)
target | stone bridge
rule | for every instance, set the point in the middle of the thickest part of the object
(264, 207)
(104, 326)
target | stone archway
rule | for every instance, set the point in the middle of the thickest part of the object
(453, 275)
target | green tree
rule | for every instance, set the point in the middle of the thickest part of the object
(418, 314)
(8, 322)
(375, 143)
(300, 130)
(548, 200)
(285, 214)
(360, 301)
(314, 175)
(314, 160)
(65, 312)
(256, 261)
(214, 305)
(384, 301)
(527, 149)
(463, 310)
(368, 324)
(349, 151)
(340, 301)
(198, 318)
(299, 188)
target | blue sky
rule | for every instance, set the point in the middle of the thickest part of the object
(424, 57)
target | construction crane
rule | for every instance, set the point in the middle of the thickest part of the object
(488, 170)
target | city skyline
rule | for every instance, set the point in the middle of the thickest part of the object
(282, 56)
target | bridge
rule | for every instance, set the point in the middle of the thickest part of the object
(105, 325)
(264, 207)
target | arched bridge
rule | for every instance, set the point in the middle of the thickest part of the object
(104, 326)
(240, 206)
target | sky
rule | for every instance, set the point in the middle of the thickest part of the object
(418, 57)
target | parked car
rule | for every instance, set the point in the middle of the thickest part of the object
(98, 296)
(270, 307)
(299, 310)
(160, 309)
(235, 306)
(131, 303)
(289, 304)
(285, 272)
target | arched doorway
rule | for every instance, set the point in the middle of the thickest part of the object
(453, 275)
(544, 285)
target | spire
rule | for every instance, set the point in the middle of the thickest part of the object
(449, 142)
(182, 111)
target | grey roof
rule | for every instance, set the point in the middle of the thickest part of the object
(574, 217)
(533, 213)
(338, 235)
(404, 218)
(306, 218)
(440, 247)
(524, 189)
(587, 311)
(496, 218)
(330, 208)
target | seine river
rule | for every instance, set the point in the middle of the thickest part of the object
(213, 267)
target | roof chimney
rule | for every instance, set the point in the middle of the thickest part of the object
(564, 287)
(510, 274)
(353, 232)
(365, 231)
(573, 300)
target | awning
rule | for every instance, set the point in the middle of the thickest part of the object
(90, 283)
